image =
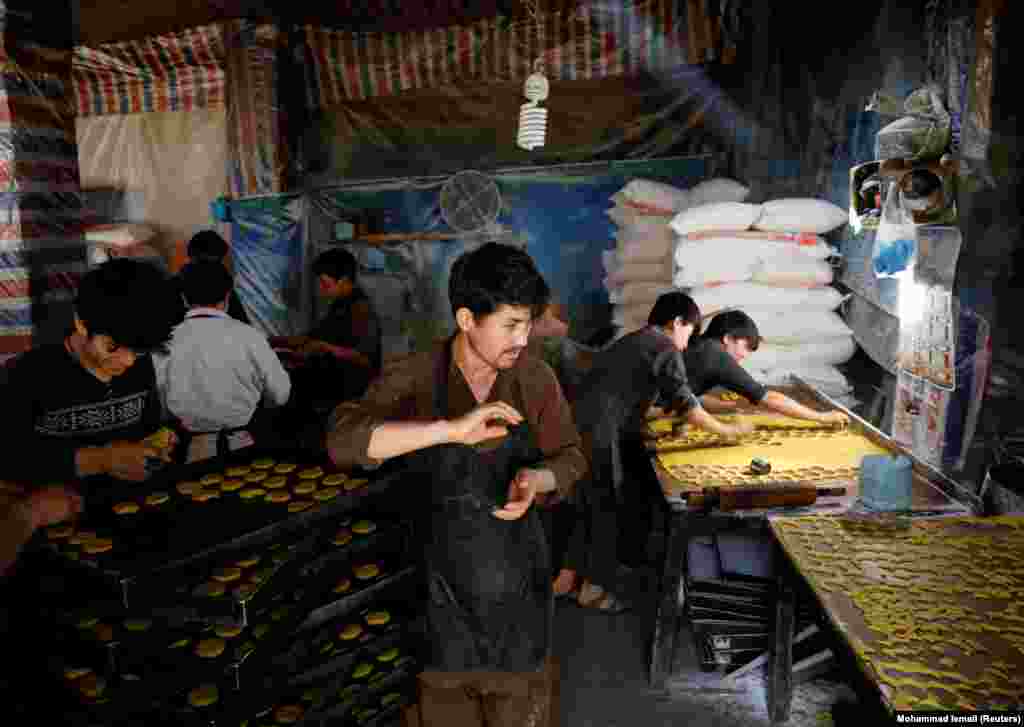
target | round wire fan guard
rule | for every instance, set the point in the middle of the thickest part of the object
(470, 202)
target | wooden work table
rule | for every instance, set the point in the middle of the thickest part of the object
(933, 495)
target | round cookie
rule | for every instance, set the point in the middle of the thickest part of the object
(98, 545)
(275, 483)
(72, 673)
(367, 571)
(364, 527)
(205, 496)
(210, 648)
(342, 537)
(288, 714)
(238, 471)
(355, 484)
(157, 498)
(335, 480)
(59, 532)
(231, 485)
(388, 656)
(228, 631)
(350, 632)
(251, 493)
(180, 644)
(188, 488)
(226, 575)
(126, 508)
(255, 477)
(378, 618)
(211, 479)
(313, 473)
(362, 671)
(204, 696)
(137, 624)
(305, 487)
(299, 505)
(264, 463)
(326, 494)
(279, 496)
(344, 586)
(285, 468)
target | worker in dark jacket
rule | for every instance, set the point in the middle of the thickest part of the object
(627, 378)
(208, 246)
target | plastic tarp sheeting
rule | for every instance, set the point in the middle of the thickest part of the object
(268, 252)
(169, 167)
(558, 215)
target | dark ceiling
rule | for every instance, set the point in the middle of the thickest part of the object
(104, 21)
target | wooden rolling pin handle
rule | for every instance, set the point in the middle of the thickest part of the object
(745, 498)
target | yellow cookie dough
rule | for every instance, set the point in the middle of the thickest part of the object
(231, 485)
(299, 505)
(204, 696)
(378, 618)
(367, 571)
(285, 468)
(388, 656)
(313, 473)
(255, 477)
(238, 471)
(226, 575)
(211, 479)
(335, 480)
(326, 494)
(210, 648)
(251, 493)
(180, 644)
(275, 483)
(264, 463)
(157, 498)
(126, 508)
(228, 631)
(72, 673)
(350, 632)
(304, 488)
(278, 496)
(344, 586)
(205, 496)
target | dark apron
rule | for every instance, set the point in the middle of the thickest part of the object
(490, 604)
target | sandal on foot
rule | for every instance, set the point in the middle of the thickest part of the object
(607, 602)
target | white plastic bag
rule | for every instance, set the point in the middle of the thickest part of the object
(799, 214)
(721, 216)
(792, 272)
(753, 295)
(785, 326)
(652, 197)
(895, 249)
(828, 352)
(717, 190)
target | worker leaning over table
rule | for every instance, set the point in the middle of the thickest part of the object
(713, 361)
(626, 379)
(82, 407)
(490, 431)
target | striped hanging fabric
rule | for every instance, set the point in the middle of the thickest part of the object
(175, 72)
(585, 42)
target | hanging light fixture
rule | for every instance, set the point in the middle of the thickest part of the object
(533, 119)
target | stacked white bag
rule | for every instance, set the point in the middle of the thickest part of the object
(769, 261)
(639, 269)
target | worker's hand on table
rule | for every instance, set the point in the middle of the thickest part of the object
(738, 429)
(835, 418)
(51, 505)
(483, 423)
(128, 460)
(521, 493)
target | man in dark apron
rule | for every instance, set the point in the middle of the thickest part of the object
(488, 431)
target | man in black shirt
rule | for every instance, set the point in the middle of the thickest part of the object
(82, 407)
(713, 361)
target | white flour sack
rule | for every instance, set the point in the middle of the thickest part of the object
(792, 271)
(652, 197)
(764, 243)
(717, 190)
(633, 293)
(828, 352)
(627, 216)
(643, 272)
(747, 296)
(799, 214)
(828, 379)
(718, 272)
(652, 249)
(779, 325)
(721, 216)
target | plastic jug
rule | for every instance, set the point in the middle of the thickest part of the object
(886, 482)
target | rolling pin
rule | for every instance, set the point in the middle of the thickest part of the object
(728, 499)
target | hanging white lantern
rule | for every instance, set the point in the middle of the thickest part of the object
(533, 119)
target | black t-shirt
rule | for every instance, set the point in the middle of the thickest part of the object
(708, 365)
(54, 406)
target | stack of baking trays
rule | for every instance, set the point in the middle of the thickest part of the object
(249, 589)
(730, 604)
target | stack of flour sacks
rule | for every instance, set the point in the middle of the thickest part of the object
(767, 260)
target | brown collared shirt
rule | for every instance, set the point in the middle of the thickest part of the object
(405, 391)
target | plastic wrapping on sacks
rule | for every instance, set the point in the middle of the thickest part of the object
(656, 248)
(721, 216)
(654, 197)
(629, 216)
(792, 326)
(656, 272)
(794, 272)
(171, 164)
(763, 244)
(828, 352)
(828, 379)
(755, 295)
(799, 214)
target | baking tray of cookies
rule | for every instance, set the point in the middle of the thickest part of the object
(373, 690)
(174, 534)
